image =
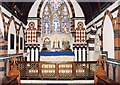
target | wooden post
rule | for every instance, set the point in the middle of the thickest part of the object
(57, 70)
(14, 70)
(74, 69)
(40, 70)
(100, 71)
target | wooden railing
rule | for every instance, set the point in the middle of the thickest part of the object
(57, 70)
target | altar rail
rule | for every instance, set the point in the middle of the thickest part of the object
(57, 70)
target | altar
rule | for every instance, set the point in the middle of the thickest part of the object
(57, 56)
(57, 46)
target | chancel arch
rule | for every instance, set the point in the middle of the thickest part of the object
(60, 39)
(56, 21)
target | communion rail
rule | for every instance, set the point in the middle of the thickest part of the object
(57, 70)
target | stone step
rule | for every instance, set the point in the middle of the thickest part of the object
(57, 82)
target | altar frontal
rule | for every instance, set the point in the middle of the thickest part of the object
(57, 56)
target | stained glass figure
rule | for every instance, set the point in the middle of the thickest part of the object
(65, 26)
(65, 12)
(46, 25)
(56, 23)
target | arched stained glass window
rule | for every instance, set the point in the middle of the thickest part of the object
(56, 17)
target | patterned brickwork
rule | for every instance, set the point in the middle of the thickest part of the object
(4, 39)
(117, 44)
(2, 73)
(39, 8)
(28, 35)
(31, 32)
(72, 8)
(72, 25)
(1, 43)
(39, 21)
(39, 28)
(80, 33)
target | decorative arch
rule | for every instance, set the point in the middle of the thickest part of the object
(11, 28)
(39, 8)
(2, 29)
(72, 8)
(9, 22)
(21, 26)
(21, 38)
(109, 14)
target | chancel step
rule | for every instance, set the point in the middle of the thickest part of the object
(58, 82)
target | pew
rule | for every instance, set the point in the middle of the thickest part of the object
(100, 77)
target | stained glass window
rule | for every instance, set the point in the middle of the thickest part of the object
(56, 17)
